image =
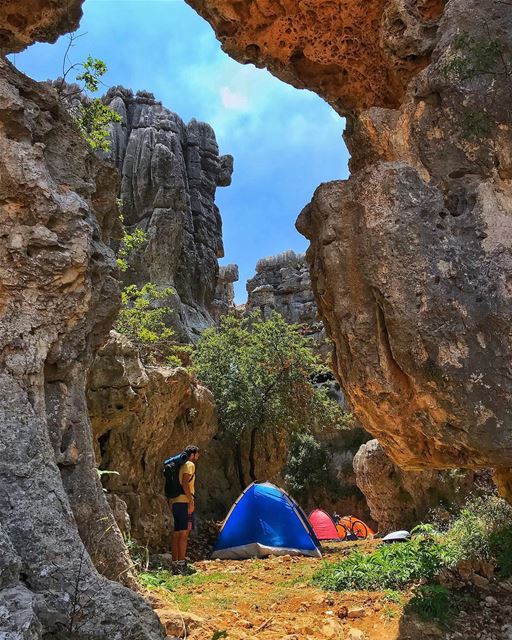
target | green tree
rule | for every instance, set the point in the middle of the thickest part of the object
(260, 374)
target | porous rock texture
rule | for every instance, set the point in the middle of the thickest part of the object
(353, 53)
(58, 298)
(400, 499)
(141, 416)
(170, 172)
(410, 257)
(21, 23)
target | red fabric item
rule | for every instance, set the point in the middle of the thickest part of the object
(323, 525)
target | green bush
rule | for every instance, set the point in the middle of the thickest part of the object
(433, 602)
(143, 320)
(306, 466)
(392, 566)
(260, 372)
(483, 531)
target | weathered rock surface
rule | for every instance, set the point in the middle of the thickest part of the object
(58, 299)
(282, 283)
(139, 418)
(354, 54)
(224, 300)
(411, 257)
(170, 172)
(401, 499)
(22, 23)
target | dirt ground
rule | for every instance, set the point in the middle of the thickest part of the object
(273, 599)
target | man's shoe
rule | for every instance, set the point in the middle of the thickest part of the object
(182, 568)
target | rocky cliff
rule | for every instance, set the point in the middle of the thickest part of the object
(58, 299)
(224, 299)
(410, 257)
(139, 418)
(282, 283)
(170, 172)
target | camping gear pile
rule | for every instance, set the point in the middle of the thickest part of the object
(265, 521)
(337, 527)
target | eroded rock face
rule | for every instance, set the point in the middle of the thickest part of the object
(401, 499)
(411, 264)
(140, 417)
(224, 300)
(58, 298)
(22, 23)
(170, 172)
(282, 283)
(354, 54)
(411, 257)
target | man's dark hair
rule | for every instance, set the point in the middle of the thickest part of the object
(190, 450)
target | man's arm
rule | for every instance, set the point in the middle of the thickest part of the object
(187, 477)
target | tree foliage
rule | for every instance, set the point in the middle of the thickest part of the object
(307, 465)
(93, 117)
(144, 318)
(129, 245)
(259, 372)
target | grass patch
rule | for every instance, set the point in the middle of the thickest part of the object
(391, 595)
(389, 613)
(166, 580)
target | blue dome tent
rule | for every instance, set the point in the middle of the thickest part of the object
(265, 521)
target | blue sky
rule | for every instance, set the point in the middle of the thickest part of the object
(285, 142)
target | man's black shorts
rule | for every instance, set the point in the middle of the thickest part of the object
(183, 521)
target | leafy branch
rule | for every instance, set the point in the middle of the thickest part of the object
(93, 117)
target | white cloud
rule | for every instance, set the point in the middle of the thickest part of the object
(232, 99)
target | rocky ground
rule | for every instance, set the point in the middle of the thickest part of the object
(273, 599)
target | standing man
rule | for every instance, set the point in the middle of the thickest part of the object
(183, 507)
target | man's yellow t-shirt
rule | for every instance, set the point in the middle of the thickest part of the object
(190, 468)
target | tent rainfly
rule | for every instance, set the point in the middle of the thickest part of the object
(323, 525)
(264, 521)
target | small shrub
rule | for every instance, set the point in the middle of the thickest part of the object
(92, 116)
(139, 555)
(130, 243)
(392, 566)
(482, 531)
(433, 602)
(143, 319)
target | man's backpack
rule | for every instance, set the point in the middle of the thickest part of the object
(172, 467)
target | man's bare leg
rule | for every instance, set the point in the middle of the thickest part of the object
(182, 544)
(175, 549)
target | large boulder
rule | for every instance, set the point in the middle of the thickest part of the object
(400, 499)
(139, 418)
